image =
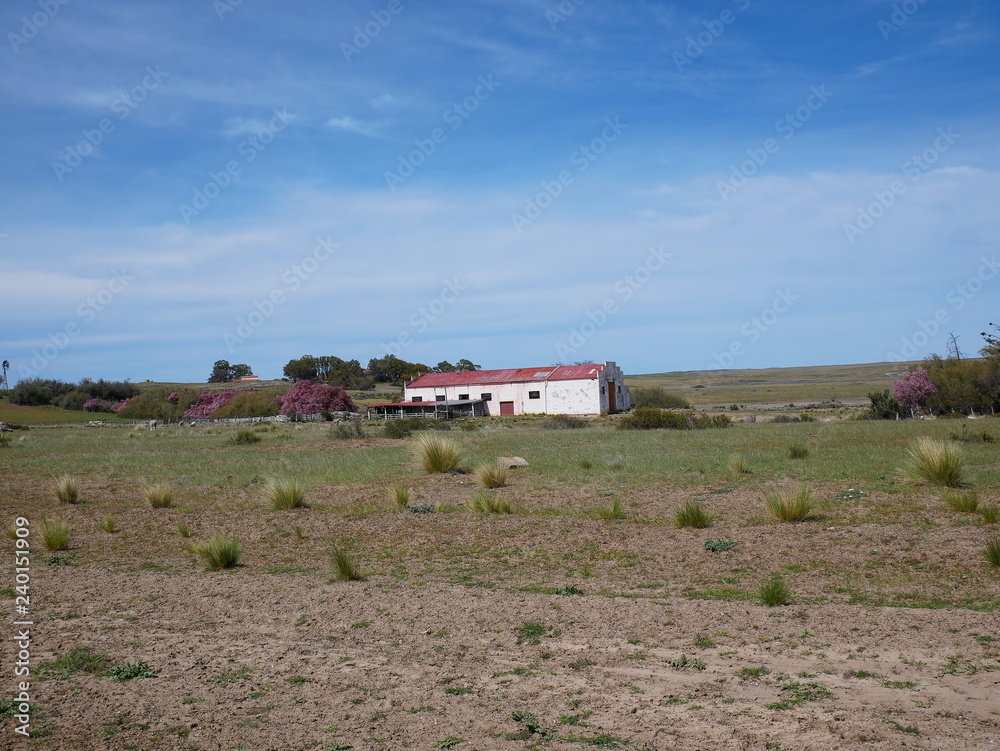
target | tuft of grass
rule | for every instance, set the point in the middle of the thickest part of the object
(990, 514)
(55, 535)
(738, 465)
(159, 495)
(967, 502)
(401, 497)
(345, 568)
(130, 670)
(66, 489)
(108, 524)
(992, 552)
(793, 508)
(80, 660)
(219, 552)
(686, 662)
(612, 512)
(531, 631)
(797, 450)
(183, 529)
(436, 453)
(774, 591)
(487, 503)
(285, 494)
(692, 514)
(935, 462)
(244, 438)
(492, 474)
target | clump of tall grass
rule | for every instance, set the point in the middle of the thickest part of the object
(774, 591)
(564, 422)
(436, 453)
(345, 568)
(790, 508)
(159, 495)
(183, 529)
(692, 514)
(967, 503)
(108, 524)
(219, 552)
(487, 503)
(244, 438)
(797, 450)
(990, 514)
(992, 552)
(285, 494)
(55, 535)
(612, 512)
(738, 465)
(66, 489)
(935, 462)
(492, 474)
(400, 497)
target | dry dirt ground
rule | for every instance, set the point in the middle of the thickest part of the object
(550, 629)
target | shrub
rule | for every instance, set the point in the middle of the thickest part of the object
(344, 567)
(492, 474)
(219, 552)
(970, 436)
(612, 512)
(884, 406)
(992, 552)
(658, 398)
(793, 508)
(347, 430)
(421, 508)
(797, 450)
(774, 591)
(396, 429)
(719, 546)
(564, 422)
(436, 453)
(645, 418)
(285, 494)
(692, 514)
(965, 502)
(487, 503)
(401, 497)
(255, 403)
(208, 402)
(308, 398)
(785, 419)
(935, 462)
(159, 496)
(67, 490)
(244, 437)
(55, 536)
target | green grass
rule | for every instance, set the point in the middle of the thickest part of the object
(219, 552)
(487, 503)
(612, 512)
(108, 524)
(436, 453)
(936, 462)
(344, 567)
(992, 552)
(285, 494)
(774, 591)
(531, 631)
(55, 535)
(692, 514)
(130, 670)
(492, 474)
(738, 465)
(80, 660)
(159, 495)
(67, 490)
(790, 508)
(400, 497)
(966, 502)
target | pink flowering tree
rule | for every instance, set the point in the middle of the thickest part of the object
(119, 406)
(207, 402)
(914, 390)
(97, 405)
(308, 398)
(174, 398)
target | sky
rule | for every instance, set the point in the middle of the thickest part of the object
(671, 186)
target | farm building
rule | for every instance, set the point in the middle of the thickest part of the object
(556, 390)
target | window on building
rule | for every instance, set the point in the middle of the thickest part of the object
(439, 398)
(418, 398)
(463, 396)
(602, 390)
(534, 394)
(486, 397)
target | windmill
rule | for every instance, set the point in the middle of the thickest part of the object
(3, 381)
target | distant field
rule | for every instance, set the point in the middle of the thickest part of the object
(45, 415)
(777, 386)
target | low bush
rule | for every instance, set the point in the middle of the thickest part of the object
(564, 422)
(656, 397)
(347, 430)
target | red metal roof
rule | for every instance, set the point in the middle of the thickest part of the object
(513, 375)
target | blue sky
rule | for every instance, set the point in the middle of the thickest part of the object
(673, 186)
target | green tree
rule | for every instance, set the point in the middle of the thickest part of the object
(221, 372)
(239, 371)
